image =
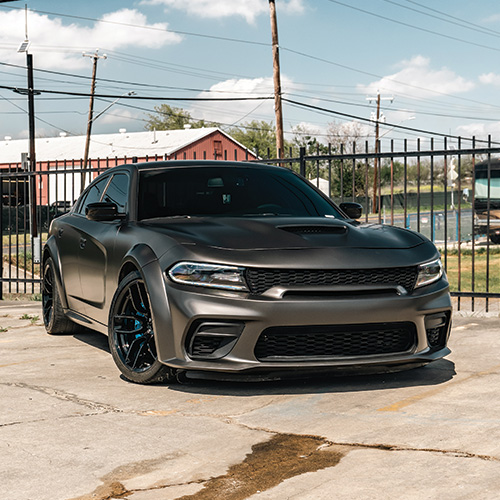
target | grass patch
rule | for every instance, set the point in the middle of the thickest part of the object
(33, 319)
(21, 239)
(460, 276)
(22, 261)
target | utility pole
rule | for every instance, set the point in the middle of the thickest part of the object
(280, 143)
(32, 155)
(375, 207)
(31, 125)
(95, 56)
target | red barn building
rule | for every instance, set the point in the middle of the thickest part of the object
(61, 156)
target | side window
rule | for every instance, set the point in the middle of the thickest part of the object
(94, 194)
(117, 192)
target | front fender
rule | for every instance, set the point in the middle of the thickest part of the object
(145, 261)
(50, 250)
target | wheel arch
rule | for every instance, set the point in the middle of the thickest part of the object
(142, 259)
(50, 251)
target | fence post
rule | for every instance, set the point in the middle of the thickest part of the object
(1, 235)
(302, 161)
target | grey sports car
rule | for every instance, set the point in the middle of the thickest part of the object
(240, 268)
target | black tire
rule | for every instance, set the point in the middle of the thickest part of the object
(131, 336)
(495, 238)
(56, 323)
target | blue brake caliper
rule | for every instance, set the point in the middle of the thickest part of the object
(138, 324)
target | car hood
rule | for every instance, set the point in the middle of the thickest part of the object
(273, 233)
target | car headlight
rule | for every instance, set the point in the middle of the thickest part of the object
(209, 275)
(429, 273)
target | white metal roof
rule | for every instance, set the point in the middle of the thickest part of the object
(105, 145)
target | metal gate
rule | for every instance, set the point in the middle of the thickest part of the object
(429, 190)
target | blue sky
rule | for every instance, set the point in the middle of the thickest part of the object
(438, 60)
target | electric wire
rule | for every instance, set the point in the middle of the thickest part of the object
(152, 28)
(412, 26)
(461, 23)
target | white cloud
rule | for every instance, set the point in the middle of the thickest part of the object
(119, 116)
(490, 79)
(308, 129)
(492, 18)
(58, 45)
(248, 9)
(418, 79)
(236, 111)
(479, 130)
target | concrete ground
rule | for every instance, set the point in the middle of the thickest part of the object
(72, 428)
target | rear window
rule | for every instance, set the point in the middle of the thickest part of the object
(228, 191)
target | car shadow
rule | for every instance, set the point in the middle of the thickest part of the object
(94, 339)
(433, 374)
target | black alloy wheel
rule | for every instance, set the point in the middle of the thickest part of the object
(53, 315)
(48, 294)
(131, 334)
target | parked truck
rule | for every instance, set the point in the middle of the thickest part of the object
(487, 199)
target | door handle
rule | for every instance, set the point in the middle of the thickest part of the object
(60, 231)
(83, 242)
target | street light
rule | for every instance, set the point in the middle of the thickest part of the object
(399, 123)
(111, 104)
(23, 48)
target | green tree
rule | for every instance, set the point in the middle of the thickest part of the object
(397, 172)
(258, 136)
(169, 118)
(304, 138)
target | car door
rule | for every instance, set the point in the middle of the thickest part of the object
(69, 231)
(97, 242)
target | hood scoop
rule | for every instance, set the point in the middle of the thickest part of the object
(315, 229)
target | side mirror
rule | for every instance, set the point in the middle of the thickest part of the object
(102, 211)
(351, 209)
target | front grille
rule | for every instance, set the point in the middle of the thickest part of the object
(260, 280)
(327, 341)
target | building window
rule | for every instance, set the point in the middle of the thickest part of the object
(217, 149)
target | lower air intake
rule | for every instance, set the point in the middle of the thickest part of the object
(330, 341)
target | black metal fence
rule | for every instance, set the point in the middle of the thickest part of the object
(430, 190)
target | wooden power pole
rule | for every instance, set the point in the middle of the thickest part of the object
(95, 56)
(280, 143)
(376, 208)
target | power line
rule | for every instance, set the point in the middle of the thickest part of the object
(284, 49)
(412, 26)
(123, 82)
(348, 103)
(461, 23)
(483, 28)
(152, 28)
(146, 98)
(374, 75)
(361, 118)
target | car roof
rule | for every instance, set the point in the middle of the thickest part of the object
(171, 164)
(201, 163)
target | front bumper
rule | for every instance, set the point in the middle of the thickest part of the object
(179, 310)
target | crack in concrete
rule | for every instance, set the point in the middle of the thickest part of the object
(113, 487)
(389, 447)
(269, 463)
(65, 396)
(377, 446)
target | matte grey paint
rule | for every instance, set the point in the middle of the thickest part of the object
(90, 257)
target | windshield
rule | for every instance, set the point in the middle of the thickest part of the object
(228, 191)
(481, 185)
